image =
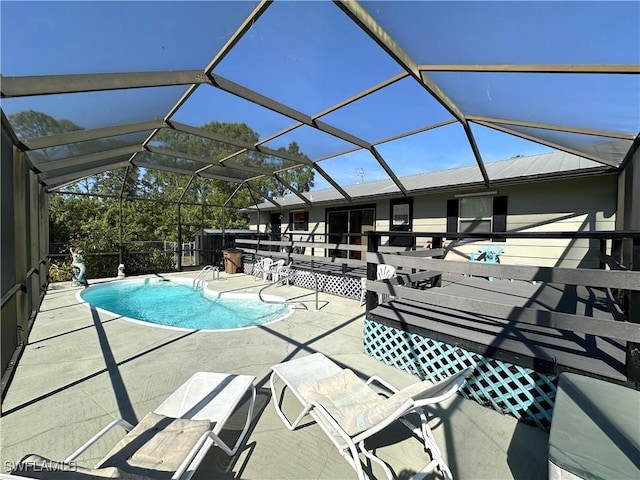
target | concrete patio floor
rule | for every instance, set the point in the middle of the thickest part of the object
(82, 369)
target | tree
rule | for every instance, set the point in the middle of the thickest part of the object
(31, 124)
(94, 221)
(218, 192)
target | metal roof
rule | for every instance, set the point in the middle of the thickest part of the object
(504, 172)
(88, 87)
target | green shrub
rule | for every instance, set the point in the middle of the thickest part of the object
(60, 271)
(105, 266)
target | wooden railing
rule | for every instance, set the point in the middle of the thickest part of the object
(621, 279)
(414, 262)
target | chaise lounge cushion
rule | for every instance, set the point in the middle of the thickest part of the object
(157, 443)
(353, 404)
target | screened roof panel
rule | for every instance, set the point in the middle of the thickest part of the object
(208, 104)
(600, 102)
(297, 177)
(437, 149)
(194, 145)
(397, 108)
(89, 110)
(89, 168)
(496, 146)
(555, 163)
(155, 159)
(105, 37)
(308, 55)
(312, 142)
(187, 166)
(52, 154)
(226, 171)
(280, 67)
(102, 182)
(350, 169)
(73, 178)
(259, 163)
(612, 149)
(163, 167)
(235, 177)
(496, 32)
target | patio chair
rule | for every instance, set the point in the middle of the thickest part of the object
(285, 272)
(487, 255)
(274, 270)
(262, 268)
(350, 411)
(168, 443)
(383, 272)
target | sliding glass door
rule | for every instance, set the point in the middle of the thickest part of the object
(346, 227)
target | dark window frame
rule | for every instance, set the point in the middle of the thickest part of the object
(499, 215)
(304, 223)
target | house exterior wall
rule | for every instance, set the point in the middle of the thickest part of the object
(587, 204)
(580, 204)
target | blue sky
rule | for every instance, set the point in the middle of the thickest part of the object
(310, 56)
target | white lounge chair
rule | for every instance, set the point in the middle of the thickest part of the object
(169, 442)
(350, 411)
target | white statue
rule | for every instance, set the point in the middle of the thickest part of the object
(121, 271)
(79, 267)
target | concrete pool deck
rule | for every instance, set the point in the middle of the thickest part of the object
(81, 369)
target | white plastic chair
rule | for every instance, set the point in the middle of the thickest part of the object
(383, 272)
(274, 270)
(285, 272)
(262, 269)
(350, 411)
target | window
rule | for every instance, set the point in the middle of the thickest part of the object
(401, 214)
(299, 221)
(475, 214)
(401, 211)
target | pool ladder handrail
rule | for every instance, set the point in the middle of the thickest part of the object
(287, 302)
(199, 280)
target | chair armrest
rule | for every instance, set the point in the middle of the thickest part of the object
(382, 382)
(127, 426)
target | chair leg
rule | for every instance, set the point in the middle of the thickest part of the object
(372, 456)
(424, 432)
(278, 398)
(350, 454)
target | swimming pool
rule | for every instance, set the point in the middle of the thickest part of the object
(176, 304)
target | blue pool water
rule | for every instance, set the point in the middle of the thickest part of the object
(176, 305)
